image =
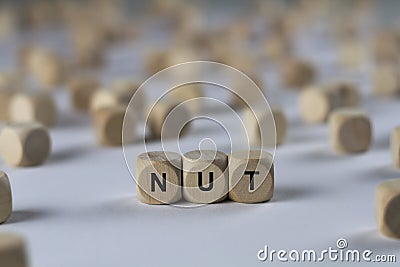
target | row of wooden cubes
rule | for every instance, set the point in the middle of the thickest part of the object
(204, 176)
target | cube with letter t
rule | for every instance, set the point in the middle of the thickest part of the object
(251, 176)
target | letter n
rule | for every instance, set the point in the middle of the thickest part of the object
(161, 184)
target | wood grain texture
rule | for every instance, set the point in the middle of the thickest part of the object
(297, 73)
(387, 206)
(158, 177)
(25, 144)
(251, 176)
(205, 176)
(108, 124)
(35, 106)
(395, 146)
(350, 130)
(82, 90)
(317, 102)
(5, 198)
(12, 250)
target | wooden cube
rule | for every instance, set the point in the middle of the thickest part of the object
(386, 80)
(277, 47)
(205, 176)
(48, 68)
(395, 146)
(11, 81)
(387, 206)
(158, 177)
(89, 46)
(167, 120)
(10, 84)
(190, 93)
(243, 92)
(352, 53)
(5, 198)
(317, 102)
(82, 90)
(24, 144)
(386, 47)
(120, 94)
(12, 250)
(281, 125)
(259, 126)
(156, 60)
(297, 73)
(108, 124)
(251, 176)
(350, 130)
(29, 107)
(5, 99)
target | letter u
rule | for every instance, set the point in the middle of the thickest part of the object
(211, 182)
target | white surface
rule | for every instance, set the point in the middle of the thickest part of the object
(80, 208)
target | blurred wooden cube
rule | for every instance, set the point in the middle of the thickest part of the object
(281, 125)
(120, 94)
(111, 125)
(47, 67)
(386, 80)
(386, 47)
(5, 198)
(155, 61)
(395, 146)
(190, 93)
(33, 106)
(258, 124)
(168, 120)
(387, 205)
(350, 130)
(352, 53)
(12, 250)
(242, 93)
(5, 99)
(277, 48)
(317, 102)
(82, 90)
(25, 144)
(297, 73)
